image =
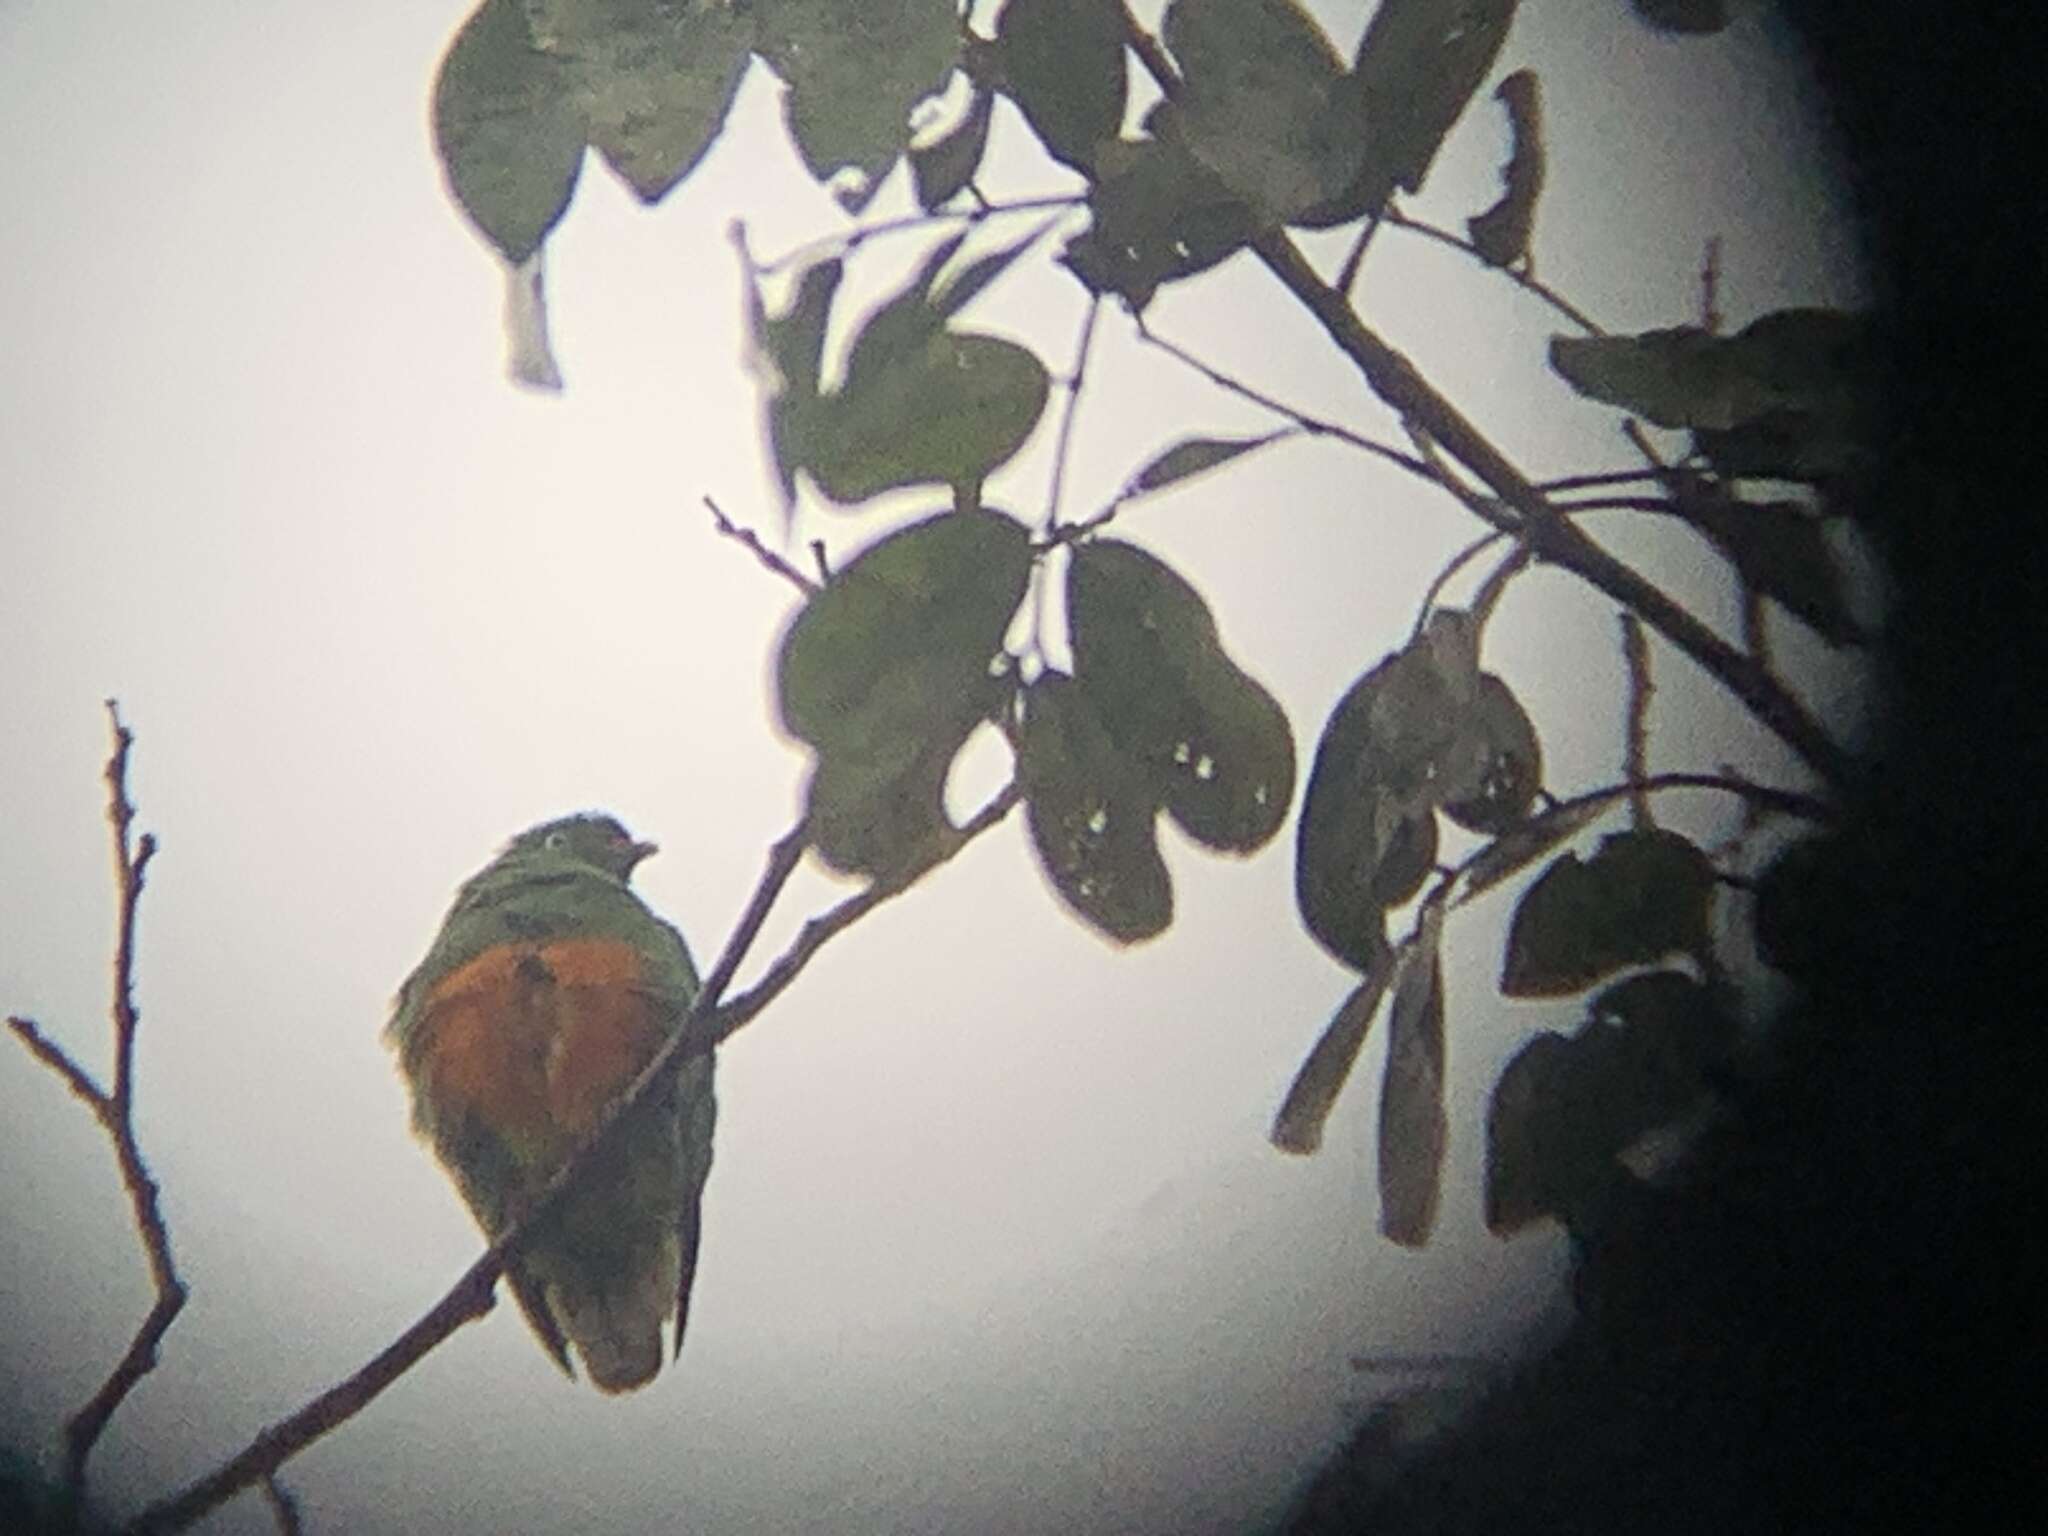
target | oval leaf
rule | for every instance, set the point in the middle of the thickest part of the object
(854, 72)
(1566, 1108)
(939, 170)
(1501, 234)
(1263, 104)
(1643, 895)
(942, 588)
(1094, 820)
(1506, 759)
(508, 129)
(1192, 456)
(1063, 64)
(1159, 215)
(1214, 744)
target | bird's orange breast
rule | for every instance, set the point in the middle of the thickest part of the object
(534, 1039)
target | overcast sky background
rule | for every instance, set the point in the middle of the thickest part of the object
(994, 1240)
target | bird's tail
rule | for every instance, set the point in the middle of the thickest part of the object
(613, 1316)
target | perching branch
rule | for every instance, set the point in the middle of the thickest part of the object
(114, 1109)
(1635, 651)
(707, 1026)
(1401, 385)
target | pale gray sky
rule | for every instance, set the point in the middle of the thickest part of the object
(994, 1239)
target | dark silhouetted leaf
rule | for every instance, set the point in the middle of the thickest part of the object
(1643, 895)
(1790, 912)
(1689, 16)
(1417, 67)
(654, 81)
(885, 672)
(952, 413)
(1406, 735)
(1159, 215)
(854, 72)
(1063, 64)
(1215, 744)
(1412, 1122)
(922, 403)
(1796, 359)
(1510, 766)
(1812, 446)
(1191, 456)
(508, 128)
(1298, 1128)
(1501, 234)
(1265, 103)
(1567, 1107)
(941, 169)
(1782, 552)
(1093, 815)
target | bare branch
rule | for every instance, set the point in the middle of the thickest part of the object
(751, 540)
(1073, 388)
(114, 1108)
(1523, 279)
(1710, 286)
(706, 1027)
(283, 1507)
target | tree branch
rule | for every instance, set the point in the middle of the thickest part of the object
(1396, 380)
(706, 1027)
(114, 1109)
(750, 540)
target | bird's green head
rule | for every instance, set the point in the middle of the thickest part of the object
(598, 841)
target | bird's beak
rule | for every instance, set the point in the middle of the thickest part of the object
(643, 850)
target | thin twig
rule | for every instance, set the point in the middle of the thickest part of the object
(1397, 382)
(707, 1026)
(1073, 387)
(1348, 275)
(1315, 426)
(751, 540)
(284, 1509)
(1635, 651)
(1528, 280)
(1710, 286)
(114, 1109)
(849, 241)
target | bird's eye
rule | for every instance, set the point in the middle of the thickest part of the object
(555, 840)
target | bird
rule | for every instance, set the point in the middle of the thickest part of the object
(549, 987)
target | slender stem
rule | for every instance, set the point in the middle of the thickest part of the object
(1635, 651)
(114, 1109)
(851, 240)
(1073, 386)
(751, 541)
(1524, 279)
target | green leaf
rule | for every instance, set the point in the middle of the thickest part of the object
(887, 670)
(1685, 16)
(1417, 67)
(854, 72)
(1093, 815)
(1192, 456)
(1643, 896)
(1265, 104)
(1792, 360)
(1159, 215)
(1063, 64)
(1812, 446)
(941, 169)
(1413, 1126)
(1298, 1127)
(508, 128)
(953, 413)
(1782, 551)
(1214, 744)
(1566, 1107)
(655, 82)
(1509, 768)
(945, 586)
(1501, 233)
